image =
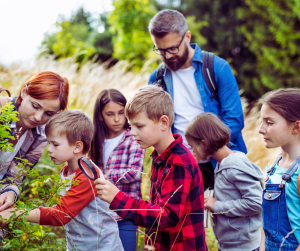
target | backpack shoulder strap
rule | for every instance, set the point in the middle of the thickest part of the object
(3, 89)
(159, 79)
(208, 73)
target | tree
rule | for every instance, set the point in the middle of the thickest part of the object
(79, 36)
(129, 25)
(273, 35)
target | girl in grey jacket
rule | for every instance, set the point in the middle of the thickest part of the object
(238, 185)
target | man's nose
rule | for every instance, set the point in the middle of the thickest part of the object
(168, 55)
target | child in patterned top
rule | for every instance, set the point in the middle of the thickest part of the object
(118, 155)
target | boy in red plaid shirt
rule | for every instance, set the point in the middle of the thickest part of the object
(174, 214)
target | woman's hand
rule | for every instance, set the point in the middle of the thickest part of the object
(209, 203)
(7, 200)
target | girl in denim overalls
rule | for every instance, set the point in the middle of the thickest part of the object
(280, 127)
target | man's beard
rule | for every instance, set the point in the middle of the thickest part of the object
(176, 62)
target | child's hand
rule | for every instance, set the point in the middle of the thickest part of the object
(209, 203)
(106, 190)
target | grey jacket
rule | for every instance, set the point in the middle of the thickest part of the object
(238, 191)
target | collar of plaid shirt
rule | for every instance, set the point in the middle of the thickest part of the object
(158, 159)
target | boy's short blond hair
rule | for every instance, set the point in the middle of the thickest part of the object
(152, 100)
(75, 125)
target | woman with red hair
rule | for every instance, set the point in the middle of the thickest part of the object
(39, 99)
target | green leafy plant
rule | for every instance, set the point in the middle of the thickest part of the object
(7, 116)
(17, 233)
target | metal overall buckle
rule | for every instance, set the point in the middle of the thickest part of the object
(269, 172)
(282, 184)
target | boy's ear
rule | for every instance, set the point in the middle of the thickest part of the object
(204, 143)
(296, 127)
(78, 147)
(165, 122)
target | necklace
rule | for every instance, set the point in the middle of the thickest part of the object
(19, 133)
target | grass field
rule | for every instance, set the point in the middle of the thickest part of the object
(87, 82)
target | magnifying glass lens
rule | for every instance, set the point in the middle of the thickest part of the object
(87, 168)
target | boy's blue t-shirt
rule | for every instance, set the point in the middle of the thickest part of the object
(292, 196)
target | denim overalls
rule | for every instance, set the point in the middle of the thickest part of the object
(276, 222)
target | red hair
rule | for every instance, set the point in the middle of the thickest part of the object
(47, 85)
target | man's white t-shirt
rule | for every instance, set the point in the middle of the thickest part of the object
(187, 100)
(109, 146)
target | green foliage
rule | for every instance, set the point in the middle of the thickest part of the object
(129, 25)
(7, 115)
(21, 235)
(272, 31)
(79, 37)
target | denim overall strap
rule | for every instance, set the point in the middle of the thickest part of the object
(287, 176)
(272, 168)
(276, 222)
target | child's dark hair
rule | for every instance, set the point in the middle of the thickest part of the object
(208, 127)
(286, 102)
(101, 130)
(75, 125)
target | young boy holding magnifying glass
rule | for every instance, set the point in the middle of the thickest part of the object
(85, 217)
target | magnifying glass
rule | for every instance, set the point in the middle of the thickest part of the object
(87, 168)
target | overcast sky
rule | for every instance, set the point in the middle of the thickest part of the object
(23, 24)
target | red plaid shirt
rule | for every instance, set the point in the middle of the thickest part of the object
(176, 202)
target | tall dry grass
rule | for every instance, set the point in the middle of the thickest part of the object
(87, 82)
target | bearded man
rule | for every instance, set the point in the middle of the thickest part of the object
(184, 81)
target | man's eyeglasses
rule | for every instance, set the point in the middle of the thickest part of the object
(171, 50)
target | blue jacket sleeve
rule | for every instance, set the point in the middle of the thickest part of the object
(152, 77)
(231, 111)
